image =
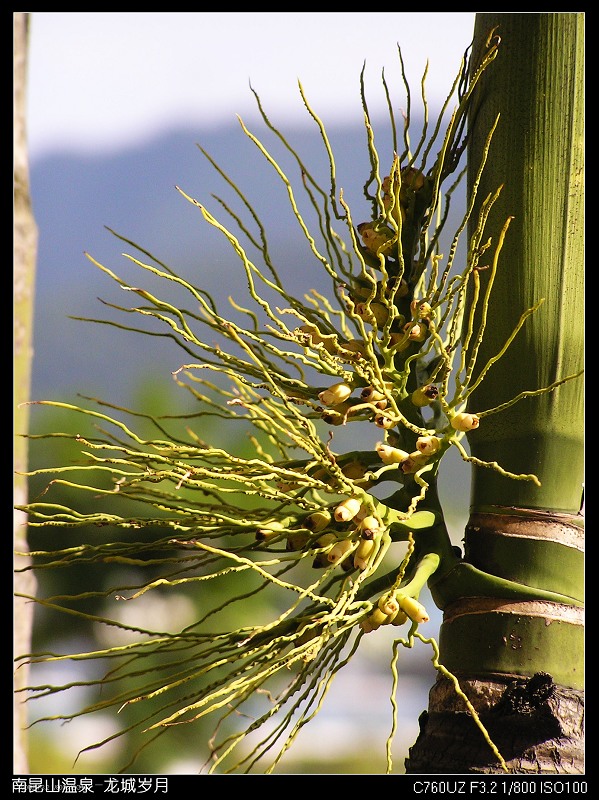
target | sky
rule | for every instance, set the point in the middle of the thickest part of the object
(103, 80)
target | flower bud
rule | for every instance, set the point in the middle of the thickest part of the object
(403, 288)
(338, 550)
(368, 527)
(362, 553)
(428, 445)
(415, 610)
(376, 311)
(347, 509)
(332, 417)
(317, 520)
(425, 395)
(297, 540)
(375, 619)
(335, 394)
(383, 421)
(354, 470)
(264, 534)
(388, 605)
(463, 421)
(391, 455)
(400, 618)
(412, 178)
(375, 237)
(416, 331)
(326, 539)
(347, 565)
(372, 395)
(421, 309)
(399, 340)
(413, 462)
(321, 559)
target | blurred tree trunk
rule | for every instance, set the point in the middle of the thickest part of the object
(521, 663)
(25, 251)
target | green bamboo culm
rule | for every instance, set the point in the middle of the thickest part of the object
(537, 156)
(522, 530)
(525, 674)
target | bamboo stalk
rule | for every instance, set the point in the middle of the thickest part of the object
(537, 155)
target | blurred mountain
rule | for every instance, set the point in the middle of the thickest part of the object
(133, 192)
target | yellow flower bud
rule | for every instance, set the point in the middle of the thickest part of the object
(354, 470)
(416, 331)
(264, 534)
(384, 421)
(317, 520)
(297, 540)
(326, 539)
(415, 610)
(335, 394)
(338, 550)
(376, 311)
(391, 455)
(400, 618)
(375, 237)
(363, 553)
(371, 395)
(425, 395)
(413, 462)
(399, 340)
(412, 178)
(347, 509)
(464, 422)
(368, 527)
(403, 288)
(421, 309)
(425, 310)
(388, 605)
(428, 445)
(376, 618)
(333, 417)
